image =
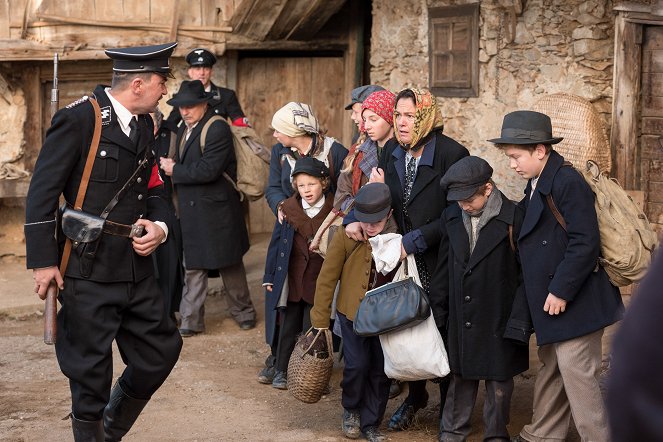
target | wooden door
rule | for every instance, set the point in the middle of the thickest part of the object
(651, 139)
(265, 84)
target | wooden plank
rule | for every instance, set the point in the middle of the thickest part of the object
(625, 105)
(655, 192)
(257, 23)
(191, 13)
(655, 213)
(107, 10)
(136, 10)
(328, 99)
(240, 42)
(652, 60)
(653, 126)
(285, 22)
(160, 11)
(4, 19)
(652, 147)
(354, 63)
(319, 12)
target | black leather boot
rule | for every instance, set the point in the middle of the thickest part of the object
(87, 431)
(120, 413)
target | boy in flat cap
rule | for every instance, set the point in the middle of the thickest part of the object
(570, 296)
(291, 268)
(107, 291)
(474, 294)
(365, 385)
(223, 101)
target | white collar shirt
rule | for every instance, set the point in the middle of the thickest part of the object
(124, 116)
(312, 210)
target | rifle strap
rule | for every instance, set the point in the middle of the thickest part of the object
(85, 179)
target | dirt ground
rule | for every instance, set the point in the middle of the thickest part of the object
(212, 393)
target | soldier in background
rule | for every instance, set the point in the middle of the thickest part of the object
(223, 102)
(111, 295)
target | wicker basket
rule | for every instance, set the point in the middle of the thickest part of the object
(309, 374)
(576, 119)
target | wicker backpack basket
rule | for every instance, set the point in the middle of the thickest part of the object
(310, 366)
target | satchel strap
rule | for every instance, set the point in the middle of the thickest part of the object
(85, 179)
(553, 208)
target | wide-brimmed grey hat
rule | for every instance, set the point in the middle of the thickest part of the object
(190, 93)
(526, 127)
(465, 177)
(359, 94)
(372, 203)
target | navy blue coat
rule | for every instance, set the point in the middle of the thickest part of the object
(564, 263)
(279, 186)
(276, 273)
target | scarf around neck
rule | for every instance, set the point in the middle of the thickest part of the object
(490, 211)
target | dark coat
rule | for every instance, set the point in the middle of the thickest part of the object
(476, 292)
(279, 186)
(277, 267)
(561, 263)
(213, 228)
(427, 199)
(224, 103)
(169, 270)
(635, 390)
(59, 169)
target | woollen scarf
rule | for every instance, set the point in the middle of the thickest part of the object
(427, 118)
(296, 119)
(382, 103)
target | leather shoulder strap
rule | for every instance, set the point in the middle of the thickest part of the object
(92, 153)
(203, 133)
(553, 208)
(513, 245)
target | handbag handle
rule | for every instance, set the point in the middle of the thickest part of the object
(327, 334)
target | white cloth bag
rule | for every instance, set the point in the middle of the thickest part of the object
(416, 352)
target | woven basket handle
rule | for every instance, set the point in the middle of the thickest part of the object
(327, 334)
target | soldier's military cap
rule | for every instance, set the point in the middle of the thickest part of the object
(200, 57)
(142, 58)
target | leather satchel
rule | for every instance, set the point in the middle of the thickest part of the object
(79, 226)
(393, 306)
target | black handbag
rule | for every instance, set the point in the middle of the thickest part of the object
(393, 306)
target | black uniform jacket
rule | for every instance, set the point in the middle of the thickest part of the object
(477, 291)
(427, 199)
(59, 169)
(564, 263)
(213, 228)
(224, 103)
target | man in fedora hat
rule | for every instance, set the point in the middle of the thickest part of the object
(108, 291)
(569, 295)
(223, 101)
(214, 234)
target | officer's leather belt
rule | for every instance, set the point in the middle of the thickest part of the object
(129, 231)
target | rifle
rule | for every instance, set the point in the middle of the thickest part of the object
(51, 306)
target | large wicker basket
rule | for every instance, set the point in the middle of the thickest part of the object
(576, 119)
(309, 372)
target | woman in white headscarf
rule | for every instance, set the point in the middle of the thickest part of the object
(298, 134)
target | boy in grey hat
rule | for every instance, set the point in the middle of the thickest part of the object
(474, 294)
(569, 295)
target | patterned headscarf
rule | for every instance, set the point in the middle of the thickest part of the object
(427, 117)
(382, 103)
(295, 119)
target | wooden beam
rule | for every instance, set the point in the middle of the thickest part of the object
(238, 42)
(258, 21)
(319, 12)
(175, 21)
(129, 25)
(626, 102)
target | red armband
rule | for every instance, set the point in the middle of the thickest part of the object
(241, 122)
(155, 178)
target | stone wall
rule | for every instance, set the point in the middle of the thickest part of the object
(559, 46)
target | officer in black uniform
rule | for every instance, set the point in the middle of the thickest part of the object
(224, 102)
(113, 295)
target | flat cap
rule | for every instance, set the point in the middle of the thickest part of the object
(200, 57)
(465, 177)
(372, 203)
(142, 58)
(359, 94)
(311, 166)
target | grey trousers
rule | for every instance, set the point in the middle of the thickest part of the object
(194, 292)
(460, 402)
(568, 384)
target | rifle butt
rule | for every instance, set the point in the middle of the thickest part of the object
(50, 313)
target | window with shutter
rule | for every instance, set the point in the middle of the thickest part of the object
(453, 40)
